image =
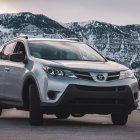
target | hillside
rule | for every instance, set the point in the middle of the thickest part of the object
(120, 42)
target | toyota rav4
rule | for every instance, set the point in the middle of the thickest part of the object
(64, 77)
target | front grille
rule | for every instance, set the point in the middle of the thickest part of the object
(113, 76)
(87, 75)
(98, 101)
(102, 89)
(83, 75)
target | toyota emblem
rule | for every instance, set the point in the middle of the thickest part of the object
(100, 77)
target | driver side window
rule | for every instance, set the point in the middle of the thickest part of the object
(20, 48)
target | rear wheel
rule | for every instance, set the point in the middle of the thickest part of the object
(119, 119)
(77, 115)
(62, 115)
(36, 115)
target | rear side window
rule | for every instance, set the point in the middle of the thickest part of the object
(9, 48)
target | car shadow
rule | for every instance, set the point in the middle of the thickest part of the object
(49, 122)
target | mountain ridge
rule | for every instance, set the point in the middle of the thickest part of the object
(120, 42)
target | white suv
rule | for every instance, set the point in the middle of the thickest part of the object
(64, 77)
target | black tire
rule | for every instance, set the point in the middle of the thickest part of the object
(119, 119)
(62, 115)
(35, 114)
(78, 115)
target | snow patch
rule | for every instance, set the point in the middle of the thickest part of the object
(5, 30)
(84, 23)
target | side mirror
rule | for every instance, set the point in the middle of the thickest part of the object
(17, 57)
(110, 59)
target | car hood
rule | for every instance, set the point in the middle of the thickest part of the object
(108, 66)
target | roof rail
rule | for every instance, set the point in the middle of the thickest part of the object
(74, 39)
(22, 36)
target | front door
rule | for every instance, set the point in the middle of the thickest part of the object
(13, 75)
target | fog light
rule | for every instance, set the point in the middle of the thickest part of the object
(52, 95)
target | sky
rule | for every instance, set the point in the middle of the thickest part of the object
(119, 12)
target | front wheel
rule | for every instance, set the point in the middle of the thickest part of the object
(36, 115)
(119, 119)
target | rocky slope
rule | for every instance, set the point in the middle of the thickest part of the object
(35, 25)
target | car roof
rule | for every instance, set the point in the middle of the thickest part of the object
(25, 38)
(50, 39)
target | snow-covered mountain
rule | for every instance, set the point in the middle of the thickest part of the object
(27, 23)
(120, 42)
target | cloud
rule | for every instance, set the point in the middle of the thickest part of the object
(114, 11)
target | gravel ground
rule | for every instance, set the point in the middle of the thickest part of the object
(14, 126)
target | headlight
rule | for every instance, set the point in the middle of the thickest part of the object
(59, 72)
(126, 74)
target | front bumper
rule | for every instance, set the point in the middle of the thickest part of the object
(93, 99)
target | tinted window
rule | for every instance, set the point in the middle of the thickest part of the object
(62, 50)
(20, 48)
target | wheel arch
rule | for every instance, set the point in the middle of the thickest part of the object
(25, 90)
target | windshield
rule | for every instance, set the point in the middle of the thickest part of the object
(63, 50)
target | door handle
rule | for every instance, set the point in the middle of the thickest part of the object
(6, 69)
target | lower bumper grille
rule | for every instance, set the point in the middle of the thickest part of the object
(104, 89)
(99, 102)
